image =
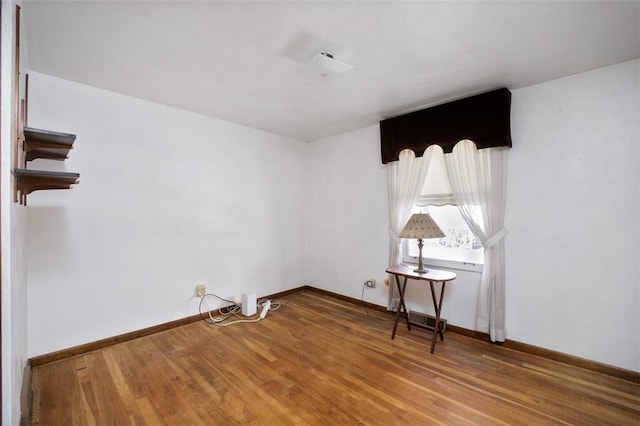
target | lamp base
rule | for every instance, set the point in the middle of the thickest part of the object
(420, 269)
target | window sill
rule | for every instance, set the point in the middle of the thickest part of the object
(445, 264)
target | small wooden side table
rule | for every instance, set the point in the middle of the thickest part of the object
(432, 276)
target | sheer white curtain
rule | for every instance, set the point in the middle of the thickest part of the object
(478, 183)
(405, 178)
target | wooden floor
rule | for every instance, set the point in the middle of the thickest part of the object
(318, 360)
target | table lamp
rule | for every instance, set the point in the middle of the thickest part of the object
(421, 226)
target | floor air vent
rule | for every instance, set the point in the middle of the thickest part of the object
(426, 321)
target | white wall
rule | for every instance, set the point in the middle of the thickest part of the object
(573, 201)
(346, 207)
(572, 251)
(14, 288)
(167, 199)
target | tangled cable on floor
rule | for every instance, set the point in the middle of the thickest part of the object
(233, 309)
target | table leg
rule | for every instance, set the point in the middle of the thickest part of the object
(401, 306)
(437, 307)
(440, 311)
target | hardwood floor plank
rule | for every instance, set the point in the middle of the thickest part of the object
(103, 402)
(319, 360)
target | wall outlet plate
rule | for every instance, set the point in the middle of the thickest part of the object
(201, 290)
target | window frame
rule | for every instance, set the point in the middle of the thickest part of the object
(438, 263)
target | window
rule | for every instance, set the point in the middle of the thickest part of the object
(460, 248)
(459, 245)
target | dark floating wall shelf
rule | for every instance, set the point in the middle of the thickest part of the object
(46, 144)
(34, 180)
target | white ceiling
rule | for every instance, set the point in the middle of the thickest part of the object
(238, 60)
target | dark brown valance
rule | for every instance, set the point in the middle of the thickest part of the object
(485, 119)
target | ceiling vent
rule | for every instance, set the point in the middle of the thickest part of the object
(322, 66)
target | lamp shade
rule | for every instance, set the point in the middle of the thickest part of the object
(420, 225)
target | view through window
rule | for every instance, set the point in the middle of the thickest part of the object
(459, 244)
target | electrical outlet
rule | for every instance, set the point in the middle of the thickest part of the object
(371, 283)
(201, 290)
